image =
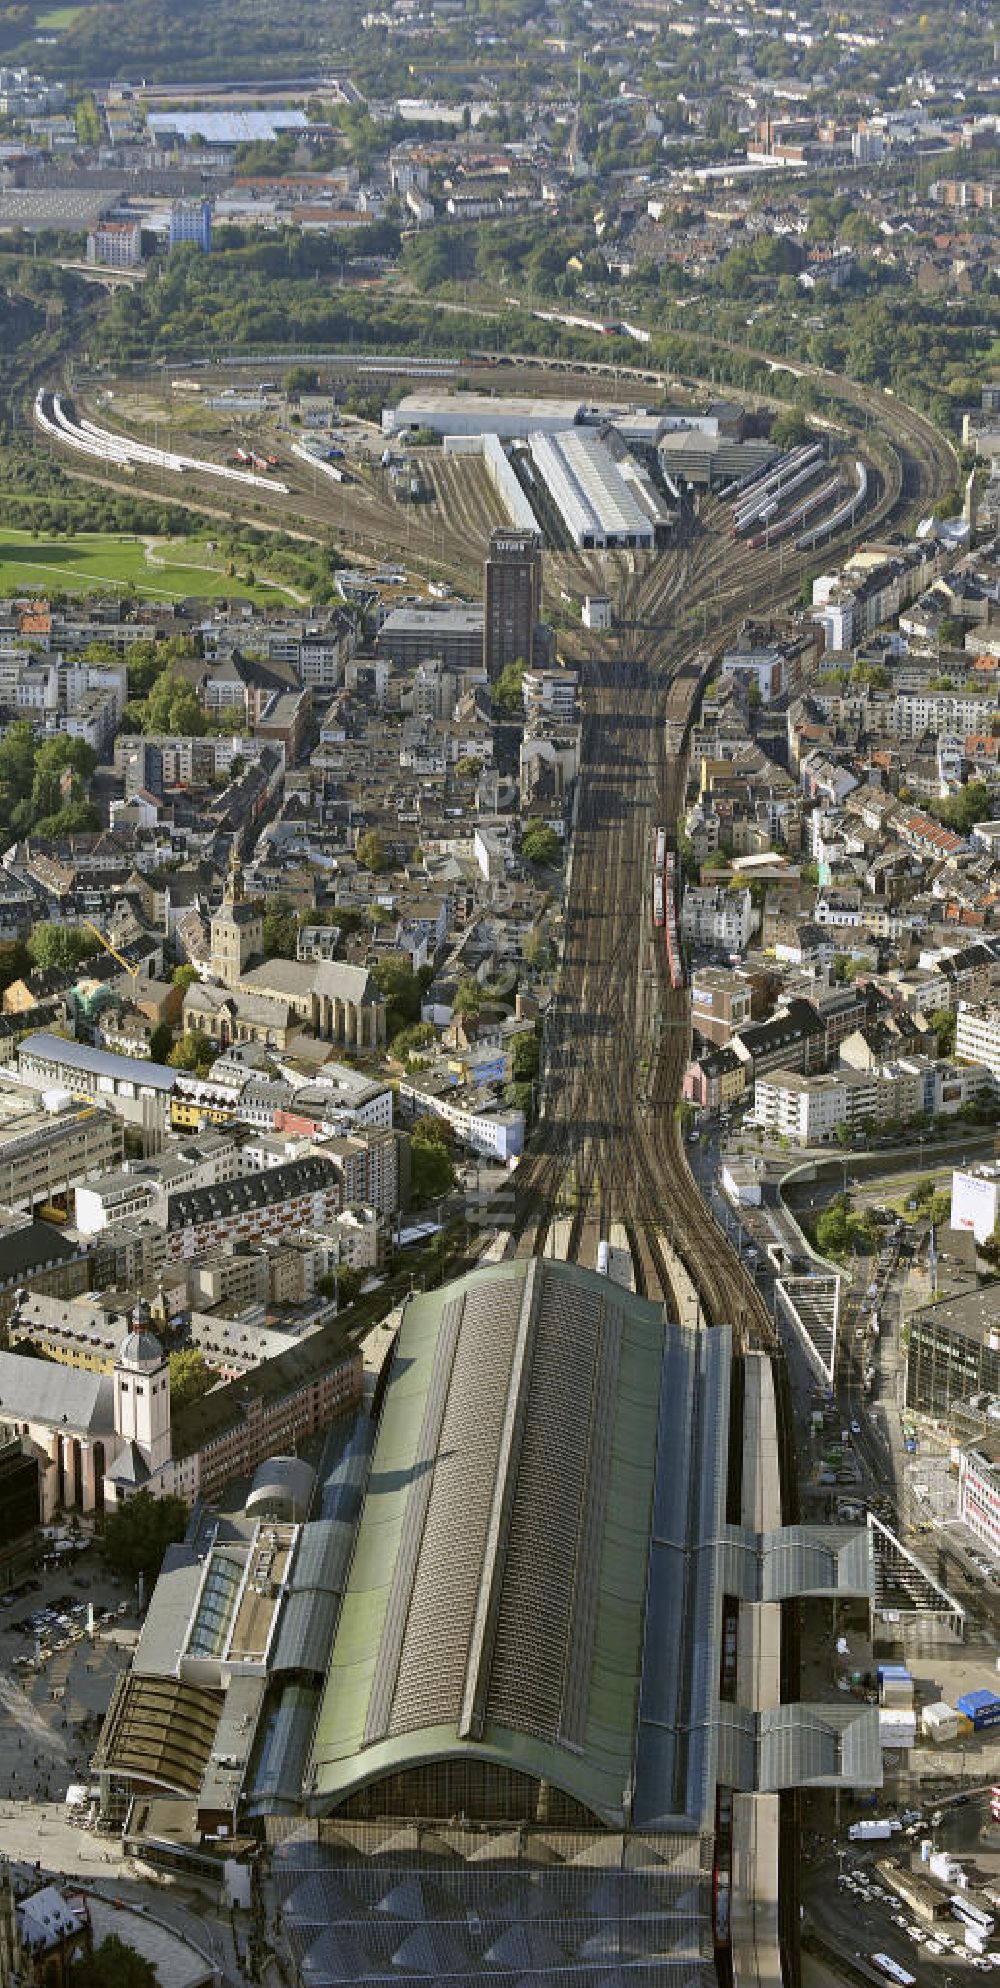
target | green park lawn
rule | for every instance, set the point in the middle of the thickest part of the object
(102, 559)
(59, 17)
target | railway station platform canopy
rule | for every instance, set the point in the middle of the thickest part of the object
(550, 1461)
(533, 1618)
(905, 1589)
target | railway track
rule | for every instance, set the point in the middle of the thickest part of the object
(619, 1037)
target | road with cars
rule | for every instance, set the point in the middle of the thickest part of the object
(855, 1911)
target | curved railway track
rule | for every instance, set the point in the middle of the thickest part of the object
(609, 1148)
(619, 1035)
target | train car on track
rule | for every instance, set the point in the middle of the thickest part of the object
(675, 957)
(659, 877)
(782, 527)
(723, 1869)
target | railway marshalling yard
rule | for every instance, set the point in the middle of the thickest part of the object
(608, 1157)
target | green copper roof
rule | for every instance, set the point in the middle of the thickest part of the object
(496, 1599)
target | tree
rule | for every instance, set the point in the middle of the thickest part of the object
(833, 1229)
(410, 1041)
(519, 1097)
(114, 1965)
(944, 1023)
(15, 961)
(524, 1059)
(301, 379)
(535, 949)
(961, 811)
(190, 1376)
(17, 766)
(507, 692)
(58, 803)
(468, 999)
(281, 929)
(951, 632)
(60, 946)
(137, 1534)
(789, 428)
(396, 980)
(229, 723)
(371, 852)
(172, 707)
(161, 1042)
(183, 976)
(344, 1284)
(540, 844)
(88, 122)
(194, 1053)
(432, 1173)
(148, 660)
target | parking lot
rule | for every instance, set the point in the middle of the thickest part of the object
(941, 1940)
(57, 1674)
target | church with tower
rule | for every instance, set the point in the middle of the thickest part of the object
(237, 930)
(141, 1381)
(98, 1437)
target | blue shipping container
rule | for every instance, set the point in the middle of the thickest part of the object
(982, 1707)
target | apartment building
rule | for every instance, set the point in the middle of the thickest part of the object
(550, 696)
(715, 1080)
(977, 1036)
(721, 1002)
(267, 1412)
(810, 1109)
(434, 692)
(368, 1168)
(791, 1039)
(236, 1274)
(714, 916)
(763, 669)
(937, 711)
(142, 1187)
(412, 635)
(839, 619)
(115, 244)
(979, 1490)
(41, 1256)
(258, 1207)
(478, 1124)
(805, 1110)
(87, 1333)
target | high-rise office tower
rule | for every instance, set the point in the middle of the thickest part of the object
(512, 602)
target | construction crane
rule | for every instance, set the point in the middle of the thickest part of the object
(126, 965)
